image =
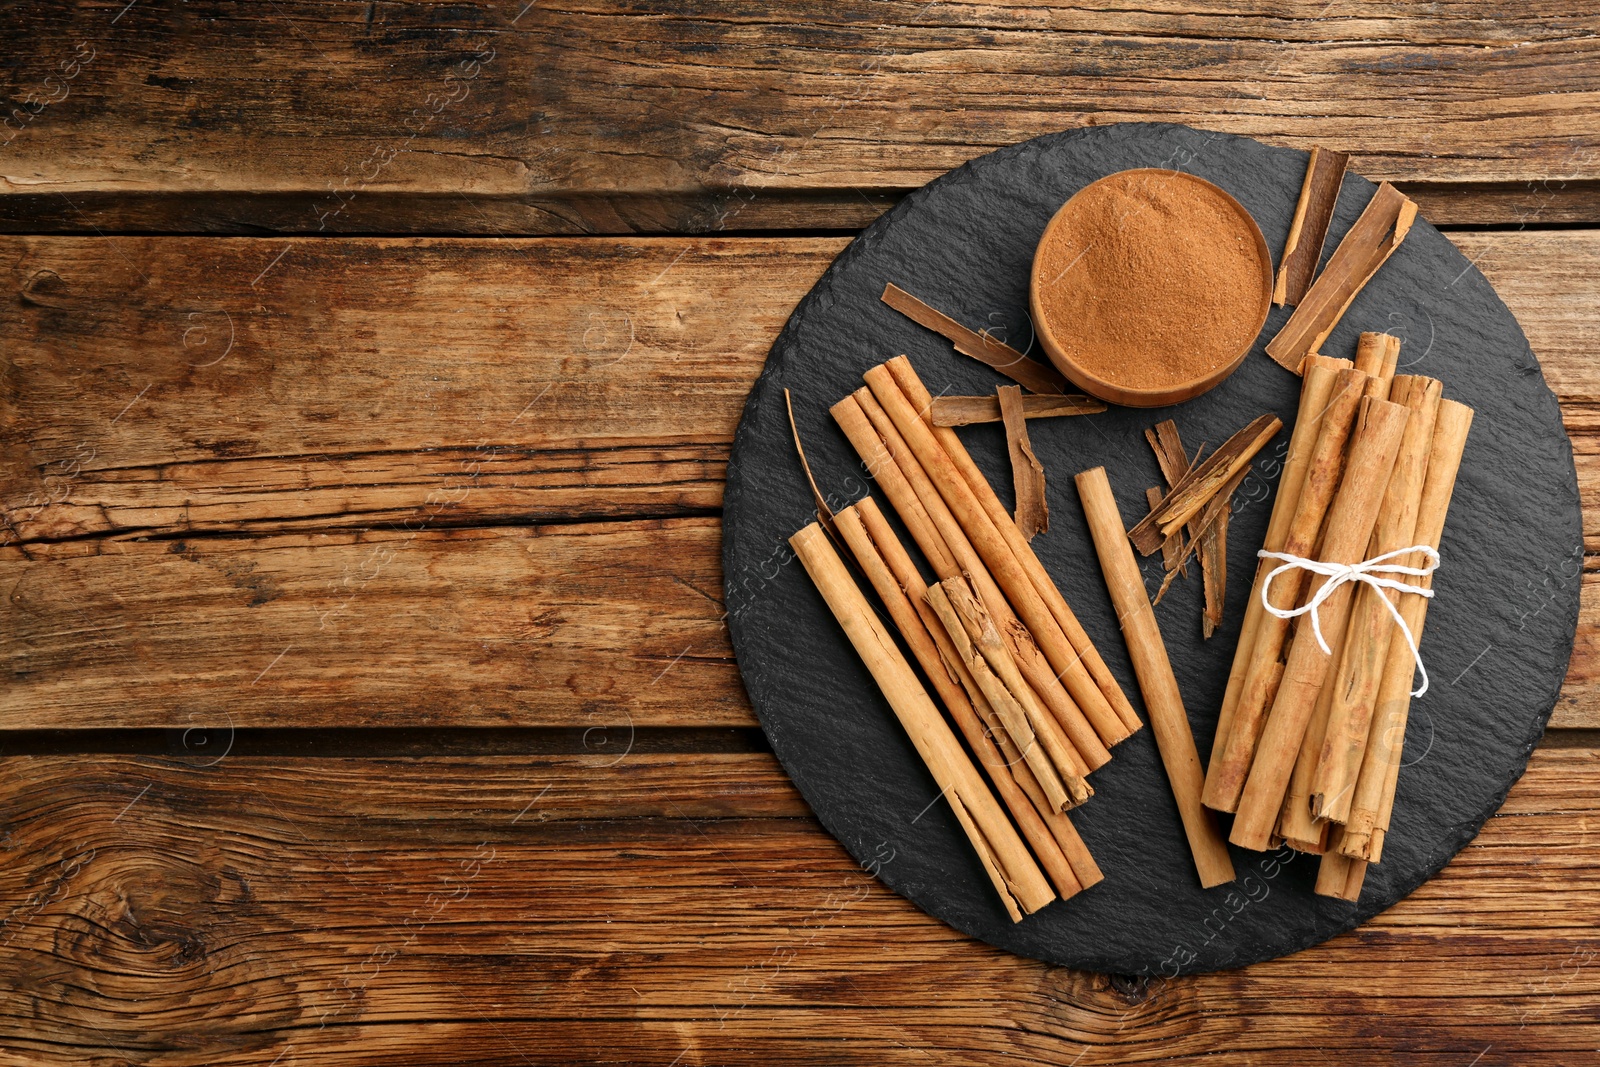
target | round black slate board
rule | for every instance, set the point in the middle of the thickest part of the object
(1499, 632)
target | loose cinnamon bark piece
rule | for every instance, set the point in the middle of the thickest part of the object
(1319, 193)
(1171, 549)
(980, 346)
(1214, 567)
(1208, 536)
(1195, 490)
(1027, 473)
(971, 410)
(1021, 885)
(1163, 700)
(824, 513)
(1383, 225)
(1173, 459)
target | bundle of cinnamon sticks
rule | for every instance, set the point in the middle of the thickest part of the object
(1310, 731)
(993, 636)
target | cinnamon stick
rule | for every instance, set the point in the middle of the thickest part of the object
(1378, 354)
(1340, 876)
(1383, 225)
(1354, 686)
(966, 561)
(1344, 540)
(882, 468)
(1027, 473)
(998, 558)
(1164, 702)
(1016, 877)
(1241, 722)
(970, 410)
(1374, 793)
(900, 564)
(985, 640)
(980, 346)
(1309, 228)
(1315, 389)
(1195, 490)
(1111, 692)
(948, 687)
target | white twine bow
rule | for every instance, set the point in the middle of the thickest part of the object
(1372, 572)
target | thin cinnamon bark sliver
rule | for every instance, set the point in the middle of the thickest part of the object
(1021, 885)
(1309, 229)
(1197, 487)
(980, 346)
(1163, 700)
(1027, 473)
(1214, 568)
(971, 410)
(824, 513)
(1383, 225)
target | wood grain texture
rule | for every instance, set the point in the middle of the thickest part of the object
(559, 909)
(491, 117)
(410, 387)
(580, 625)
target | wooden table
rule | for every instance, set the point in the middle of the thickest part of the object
(369, 374)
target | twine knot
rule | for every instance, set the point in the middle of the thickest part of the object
(1374, 572)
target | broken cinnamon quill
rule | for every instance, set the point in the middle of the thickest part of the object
(1383, 225)
(1309, 229)
(1027, 473)
(980, 346)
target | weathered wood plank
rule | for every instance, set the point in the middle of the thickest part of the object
(159, 384)
(347, 401)
(494, 117)
(156, 385)
(558, 910)
(585, 626)
(576, 626)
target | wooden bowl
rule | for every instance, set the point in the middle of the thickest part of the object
(1149, 287)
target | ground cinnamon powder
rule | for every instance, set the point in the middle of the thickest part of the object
(1151, 279)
